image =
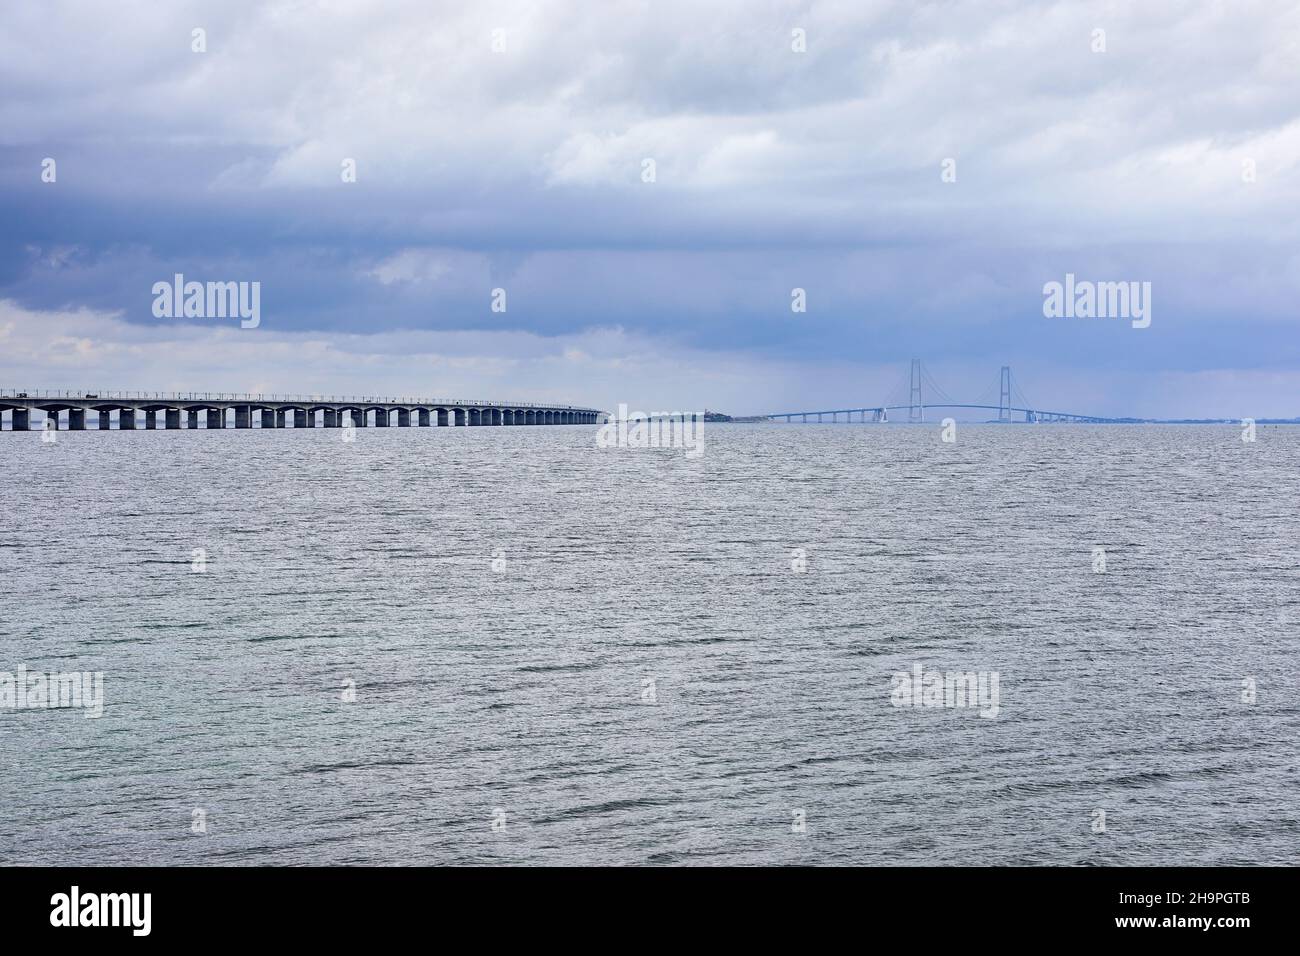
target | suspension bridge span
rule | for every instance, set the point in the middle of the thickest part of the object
(916, 405)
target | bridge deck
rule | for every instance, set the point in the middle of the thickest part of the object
(1036, 413)
(337, 410)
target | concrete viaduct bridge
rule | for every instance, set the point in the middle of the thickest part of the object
(27, 410)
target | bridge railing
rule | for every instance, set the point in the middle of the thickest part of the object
(44, 394)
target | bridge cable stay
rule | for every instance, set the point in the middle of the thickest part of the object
(898, 395)
(1019, 395)
(933, 385)
(989, 396)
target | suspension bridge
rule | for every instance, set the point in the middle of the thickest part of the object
(924, 394)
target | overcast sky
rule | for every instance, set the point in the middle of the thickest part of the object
(1173, 157)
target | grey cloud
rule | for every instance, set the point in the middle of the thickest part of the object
(775, 170)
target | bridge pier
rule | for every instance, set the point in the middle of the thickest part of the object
(188, 411)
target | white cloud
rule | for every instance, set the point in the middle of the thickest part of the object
(414, 265)
(412, 91)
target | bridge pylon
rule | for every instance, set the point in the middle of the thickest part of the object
(1004, 395)
(915, 410)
